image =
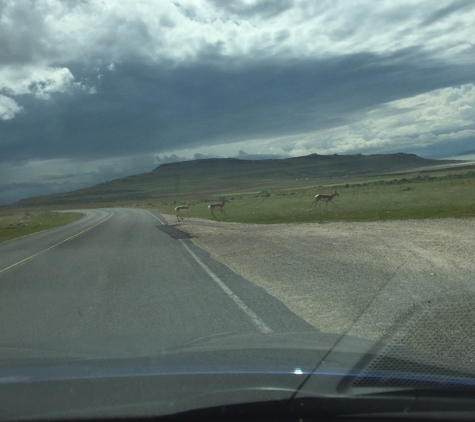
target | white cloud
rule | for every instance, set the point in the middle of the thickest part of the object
(426, 119)
(40, 82)
(172, 158)
(441, 115)
(8, 108)
(110, 31)
(40, 39)
(421, 120)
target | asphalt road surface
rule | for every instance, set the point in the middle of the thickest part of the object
(123, 272)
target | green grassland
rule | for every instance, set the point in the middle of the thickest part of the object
(371, 188)
(15, 223)
(438, 194)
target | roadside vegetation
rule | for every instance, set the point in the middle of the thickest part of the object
(15, 223)
(440, 194)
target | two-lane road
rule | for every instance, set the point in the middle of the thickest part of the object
(118, 272)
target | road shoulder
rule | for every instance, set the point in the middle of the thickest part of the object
(354, 278)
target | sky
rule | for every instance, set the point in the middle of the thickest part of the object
(94, 90)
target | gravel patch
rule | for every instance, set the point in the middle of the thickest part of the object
(374, 280)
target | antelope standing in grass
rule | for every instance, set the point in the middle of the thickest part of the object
(326, 198)
(218, 207)
(183, 209)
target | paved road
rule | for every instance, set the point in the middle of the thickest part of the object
(121, 272)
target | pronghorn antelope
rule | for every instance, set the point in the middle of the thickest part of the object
(218, 207)
(326, 198)
(183, 209)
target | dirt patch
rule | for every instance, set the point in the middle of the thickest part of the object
(356, 278)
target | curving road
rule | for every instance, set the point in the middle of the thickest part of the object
(124, 272)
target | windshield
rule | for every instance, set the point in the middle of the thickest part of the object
(208, 203)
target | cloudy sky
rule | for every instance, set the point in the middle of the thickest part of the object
(92, 90)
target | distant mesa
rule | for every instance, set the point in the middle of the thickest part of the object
(215, 176)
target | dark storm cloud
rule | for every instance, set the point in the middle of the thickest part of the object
(17, 45)
(448, 10)
(140, 108)
(10, 192)
(263, 9)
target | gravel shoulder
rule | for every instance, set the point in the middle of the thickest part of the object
(363, 279)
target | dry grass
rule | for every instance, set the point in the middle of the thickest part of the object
(15, 224)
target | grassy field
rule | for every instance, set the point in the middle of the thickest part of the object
(417, 195)
(17, 223)
(441, 194)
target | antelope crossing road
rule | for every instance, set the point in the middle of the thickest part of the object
(123, 272)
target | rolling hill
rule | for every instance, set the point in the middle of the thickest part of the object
(218, 175)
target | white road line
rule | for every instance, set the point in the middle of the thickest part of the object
(153, 215)
(57, 244)
(261, 325)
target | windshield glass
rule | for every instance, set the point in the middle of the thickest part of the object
(209, 203)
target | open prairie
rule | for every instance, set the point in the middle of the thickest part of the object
(271, 192)
(437, 194)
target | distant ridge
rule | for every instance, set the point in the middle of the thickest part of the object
(217, 175)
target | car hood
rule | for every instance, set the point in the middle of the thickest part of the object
(122, 377)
